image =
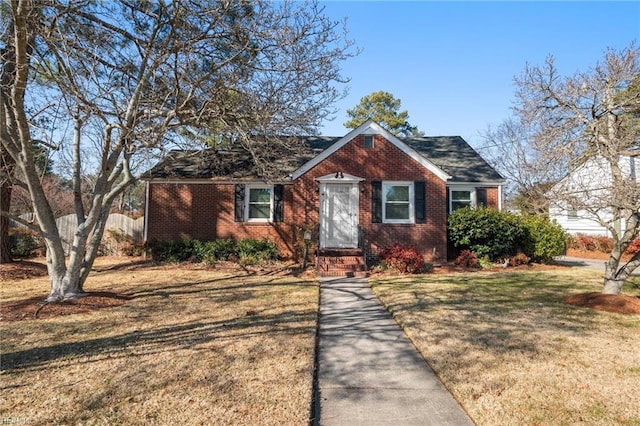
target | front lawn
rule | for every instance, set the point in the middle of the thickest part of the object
(189, 345)
(513, 353)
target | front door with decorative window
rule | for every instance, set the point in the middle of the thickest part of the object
(339, 215)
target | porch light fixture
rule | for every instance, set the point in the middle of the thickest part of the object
(339, 175)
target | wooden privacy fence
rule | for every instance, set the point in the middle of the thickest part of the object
(116, 221)
(134, 228)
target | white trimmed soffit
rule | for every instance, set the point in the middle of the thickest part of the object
(489, 184)
(342, 178)
(370, 127)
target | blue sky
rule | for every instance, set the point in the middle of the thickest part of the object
(452, 63)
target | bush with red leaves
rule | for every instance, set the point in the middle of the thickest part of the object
(467, 259)
(403, 259)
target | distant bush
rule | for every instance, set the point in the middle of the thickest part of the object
(402, 259)
(25, 243)
(487, 232)
(116, 242)
(598, 243)
(634, 247)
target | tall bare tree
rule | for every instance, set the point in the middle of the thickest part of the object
(585, 124)
(507, 147)
(131, 75)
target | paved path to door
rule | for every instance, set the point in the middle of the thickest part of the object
(369, 373)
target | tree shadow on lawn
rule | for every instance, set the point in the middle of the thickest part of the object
(161, 339)
(249, 323)
(500, 319)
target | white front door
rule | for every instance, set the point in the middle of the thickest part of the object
(339, 215)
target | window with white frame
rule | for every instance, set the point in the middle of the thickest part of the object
(460, 198)
(397, 202)
(368, 141)
(259, 203)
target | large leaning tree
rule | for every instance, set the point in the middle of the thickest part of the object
(587, 124)
(132, 77)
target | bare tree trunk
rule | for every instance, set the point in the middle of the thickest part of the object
(5, 201)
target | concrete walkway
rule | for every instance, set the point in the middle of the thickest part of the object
(585, 263)
(369, 373)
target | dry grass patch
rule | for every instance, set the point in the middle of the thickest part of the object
(513, 353)
(193, 345)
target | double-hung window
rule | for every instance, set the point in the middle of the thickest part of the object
(397, 202)
(259, 203)
(460, 199)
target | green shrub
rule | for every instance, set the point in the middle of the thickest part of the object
(172, 251)
(487, 232)
(211, 251)
(544, 238)
(403, 259)
(25, 243)
(256, 251)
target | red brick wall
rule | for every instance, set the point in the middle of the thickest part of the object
(383, 162)
(492, 198)
(206, 211)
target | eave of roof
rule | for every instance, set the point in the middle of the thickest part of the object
(371, 127)
(450, 158)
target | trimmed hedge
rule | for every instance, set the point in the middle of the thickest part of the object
(498, 235)
(487, 232)
(247, 251)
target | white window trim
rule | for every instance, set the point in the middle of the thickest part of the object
(247, 197)
(373, 141)
(411, 219)
(470, 189)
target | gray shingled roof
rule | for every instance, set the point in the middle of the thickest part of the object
(450, 153)
(456, 157)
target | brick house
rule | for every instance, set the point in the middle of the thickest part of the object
(362, 192)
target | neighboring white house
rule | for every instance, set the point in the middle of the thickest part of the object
(589, 185)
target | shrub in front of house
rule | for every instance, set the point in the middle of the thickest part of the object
(248, 251)
(402, 259)
(544, 238)
(467, 259)
(210, 252)
(171, 251)
(519, 259)
(487, 232)
(251, 251)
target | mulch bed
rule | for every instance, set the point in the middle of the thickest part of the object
(27, 308)
(606, 302)
(22, 270)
